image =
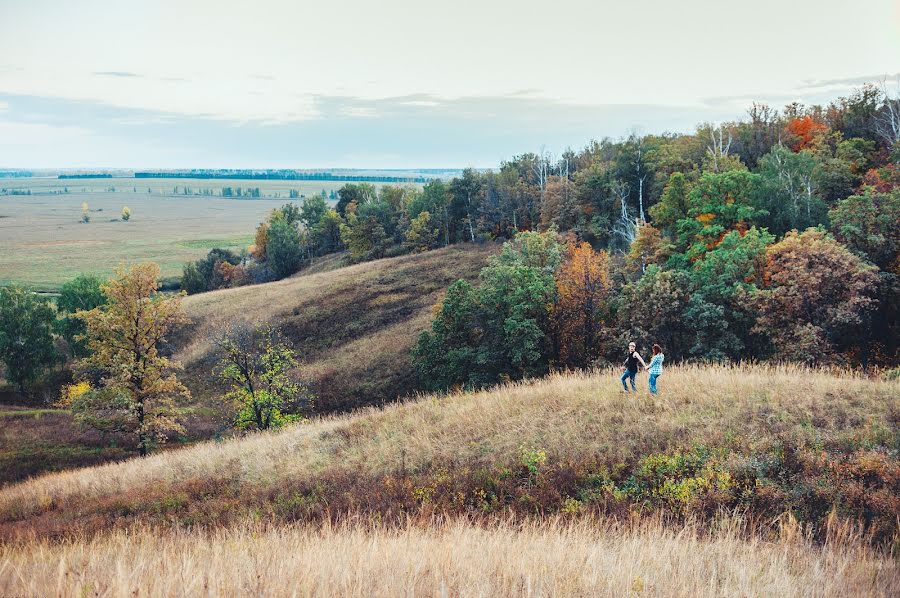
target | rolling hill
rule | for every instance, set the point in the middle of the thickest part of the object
(742, 456)
(353, 328)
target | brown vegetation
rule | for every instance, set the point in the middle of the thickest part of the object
(352, 328)
(455, 558)
(763, 441)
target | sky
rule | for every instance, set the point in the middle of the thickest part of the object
(406, 83)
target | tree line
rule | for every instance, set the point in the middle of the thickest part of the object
(697, 229)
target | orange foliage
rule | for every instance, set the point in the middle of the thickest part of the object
(805, 131)
(583, 286)
(883, 180)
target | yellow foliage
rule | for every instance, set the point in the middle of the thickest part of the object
(582, 286)
(70, 392)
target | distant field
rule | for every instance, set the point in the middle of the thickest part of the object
(43, 243)
(132, 186)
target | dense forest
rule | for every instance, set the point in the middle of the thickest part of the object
(771, 237)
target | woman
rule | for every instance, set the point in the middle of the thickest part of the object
(631, 366)
(655, 367)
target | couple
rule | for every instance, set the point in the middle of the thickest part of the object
(631, 367)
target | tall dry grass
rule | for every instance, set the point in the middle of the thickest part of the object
(576, 416)
(455, 558)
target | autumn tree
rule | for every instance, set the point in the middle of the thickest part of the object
(815, 299)
(421, 234)
(137, 387)
(256, 365)
(649, 247)
(582, 286)
(804, 132)
(261, 241)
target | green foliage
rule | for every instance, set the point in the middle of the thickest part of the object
(256, 365)
(192, 280)
(81, 293)
(312, 211)
(326, 234)
(498, 330)
(673, 205)
(421, 235)
(719, 203)
(283, 251)
(26, 339)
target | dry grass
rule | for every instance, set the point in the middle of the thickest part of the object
(573, 417)
(456, 558)
(353, 327)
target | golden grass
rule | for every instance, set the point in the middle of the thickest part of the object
(454, 558)
(570, 416)
(353, 327)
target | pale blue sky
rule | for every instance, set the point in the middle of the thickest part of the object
(404, 83)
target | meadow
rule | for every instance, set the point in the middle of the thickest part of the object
(455, 557)
(563, 485)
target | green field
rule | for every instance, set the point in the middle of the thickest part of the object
(43, 243)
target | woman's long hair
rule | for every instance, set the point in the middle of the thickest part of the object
(657, 349)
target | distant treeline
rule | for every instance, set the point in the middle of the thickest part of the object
(10, 174)
(85, 176)
(279, 175)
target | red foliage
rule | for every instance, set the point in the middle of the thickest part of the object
(805, 131)
(883, 180)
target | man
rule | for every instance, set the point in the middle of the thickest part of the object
(631, 366)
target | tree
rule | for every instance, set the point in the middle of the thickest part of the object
(719, 203)
(326, 235)
(85, 213)
(124, 337)
(192, 281)
(261, 241)
(312, 211)
(359, 194)
(421, 235)
(816, 298)
(126, 213)
(648, 248)
(673, 205)
(651, 310)
(582, 287)
(867, 224)
(364, 236)
(26, 339)
(256, 365)
(499, 330)
(283, 251)
(82, 293)
(791, 183)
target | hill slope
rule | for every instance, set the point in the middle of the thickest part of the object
(297, 511)
(353, 327)
(764, 440)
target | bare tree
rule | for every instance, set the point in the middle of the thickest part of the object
(887, 119)
(626, 227)
(718, 148)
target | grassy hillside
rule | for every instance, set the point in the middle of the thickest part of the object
(352, 327)
(764, 440)
(536, 469)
